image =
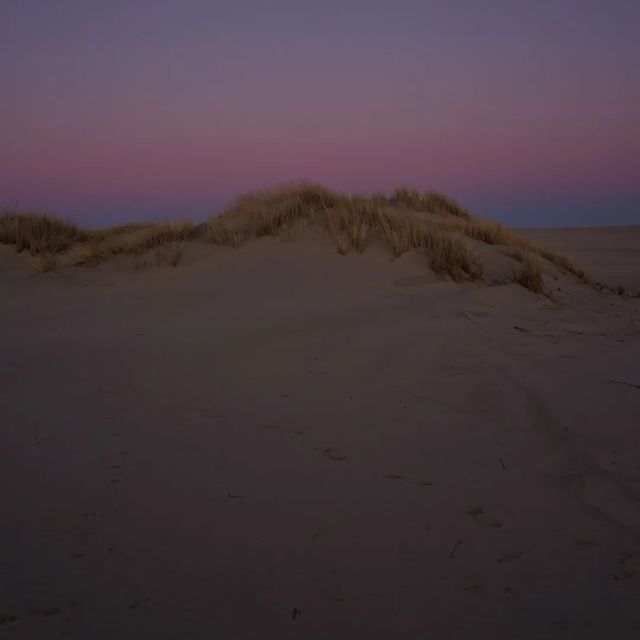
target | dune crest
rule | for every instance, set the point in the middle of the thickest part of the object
(454, 242)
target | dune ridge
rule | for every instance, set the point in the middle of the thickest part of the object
(448, 236)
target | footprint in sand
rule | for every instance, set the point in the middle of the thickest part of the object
(479, 515)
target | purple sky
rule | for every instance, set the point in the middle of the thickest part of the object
(528, 111)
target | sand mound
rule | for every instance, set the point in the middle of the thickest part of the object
(453, 242)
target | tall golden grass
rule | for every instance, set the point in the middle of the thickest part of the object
(351, 221)
(430, 202)
(494, 233)
(528, 272)
(102, 247)
(38, 233)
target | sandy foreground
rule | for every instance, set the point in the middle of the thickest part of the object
(279, 442)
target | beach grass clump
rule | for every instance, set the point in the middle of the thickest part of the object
(168, 235)
(161, 234)
(44, 262)
(352, 225)
(495, 233)
(268, 213)
(429, 202)
(439, 203)
(450, 255)
(528, 273)
(95, 251)
(38, 233)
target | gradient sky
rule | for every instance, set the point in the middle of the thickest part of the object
(527, 111)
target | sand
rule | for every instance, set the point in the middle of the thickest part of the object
(279, 442)
(611, 253)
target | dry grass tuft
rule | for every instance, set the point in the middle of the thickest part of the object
(431, 202)
(489, 233)
(529, 274)
(350, 229)
(268, 213)
(450, 255)
(494, 233)
(44, 263)
(37, 233)
(561, 261)
(46, 236)
(168, 235)
(94, 252)
(160, 235)
(439, 203)
(218, 233)
(410, 198)
(170, 254)
(402, 234)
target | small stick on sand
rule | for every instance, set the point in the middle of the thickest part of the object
(510, 556)
(625, 383)
(455, 548)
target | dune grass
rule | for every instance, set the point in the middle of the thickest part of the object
(168, 235)
(447, 238)
(350, 221)
(44, 262)
(528, 273)
(429, 202)
(494, 233)
(38, 233)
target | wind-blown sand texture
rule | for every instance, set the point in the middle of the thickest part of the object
(281, 442)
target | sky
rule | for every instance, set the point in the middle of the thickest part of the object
(526, 111)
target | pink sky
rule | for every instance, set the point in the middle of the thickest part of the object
(167, 108)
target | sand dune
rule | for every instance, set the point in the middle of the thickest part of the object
(280, 442)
